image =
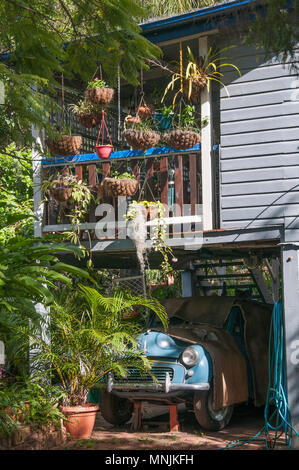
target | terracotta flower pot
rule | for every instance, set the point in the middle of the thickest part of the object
(141, 139)
(81, 420)
(66, 145)
(131, 121)
(99, 95)
(182, 140)
(145, 111)
(120, 187)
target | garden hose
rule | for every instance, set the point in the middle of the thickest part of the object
(279, 420)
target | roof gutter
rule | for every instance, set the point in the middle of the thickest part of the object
(193, 16)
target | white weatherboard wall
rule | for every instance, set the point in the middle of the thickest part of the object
(259, 138)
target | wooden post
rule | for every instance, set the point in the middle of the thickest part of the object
(164, 179)
(290, 272)
(136, 420)
(173, 418)
(193, 182)
(79, 172)
(92, 181)
(179, 183)
(149, 189)
(206, 148)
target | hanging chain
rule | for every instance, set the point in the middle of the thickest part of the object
(118, 105)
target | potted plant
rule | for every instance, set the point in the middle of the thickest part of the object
(132, 121)
(63, 143)
(197, 73)
(124, 184)
(99, 92)
(145, 110)
(88, 113)
(90, 338)
(138, 212)
(164, 117)
(185, 135)
(142, 136)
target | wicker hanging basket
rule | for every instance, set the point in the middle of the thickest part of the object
(182, 140)
(66, 145)
(141, 139)
(99, 95)
(89, 120)
(115, 187)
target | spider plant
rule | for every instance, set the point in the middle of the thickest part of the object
(199, 72)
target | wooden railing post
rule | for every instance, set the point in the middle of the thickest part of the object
(164, 179)
(193, 182)
(179, 182)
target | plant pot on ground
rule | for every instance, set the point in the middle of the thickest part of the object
(89, 339)
(123, 184)
(98, 92)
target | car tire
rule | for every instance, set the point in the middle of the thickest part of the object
(114, 409)
(208, 418)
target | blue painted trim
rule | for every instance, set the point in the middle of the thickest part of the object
(194, 15)
(92, 157)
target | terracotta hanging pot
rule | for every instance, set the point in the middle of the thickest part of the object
(81, 420)
(182, 140)
(141, 139)
(115, 187)
(132, 121)
(145, 111)
(99, 95)
(65, 146)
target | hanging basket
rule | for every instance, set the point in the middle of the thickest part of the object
(89, 120)
(115, 187)
(103, 150)
(99, 95)
(132, 121)
(145, 111)
(61, 193)
(120, 187)
(141, 140)
(182, 140)
(197, 87)
(65, 146)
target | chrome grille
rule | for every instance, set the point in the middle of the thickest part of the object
(135, 376)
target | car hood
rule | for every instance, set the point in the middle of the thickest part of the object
(155, 343)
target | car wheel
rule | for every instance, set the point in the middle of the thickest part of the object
(115, 410)
(209, 419)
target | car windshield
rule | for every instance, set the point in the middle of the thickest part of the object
(155, 322)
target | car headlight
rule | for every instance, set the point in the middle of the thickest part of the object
(190, 357)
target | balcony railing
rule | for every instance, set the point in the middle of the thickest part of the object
(173, 178)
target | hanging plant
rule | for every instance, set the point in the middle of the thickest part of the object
(101, 149)
(142, 136)
(132, 121)
(137, 213)
(65, 189)
(144, 111)
(185, 135)
(194, 74)
(99, 92)
(87, 113)
(123, 184)
(64, 144)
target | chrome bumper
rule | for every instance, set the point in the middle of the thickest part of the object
(165, 387)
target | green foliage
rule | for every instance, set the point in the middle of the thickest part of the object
(67, 34)
(172, 7)
(29, 401)
(29, 268)
(89, 338)
(275, 30)
(97, 83)
(16, 194)
(126, 175)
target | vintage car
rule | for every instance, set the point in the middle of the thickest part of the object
(213, 355)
